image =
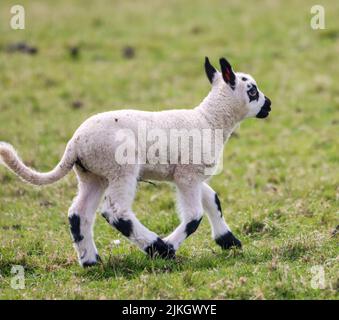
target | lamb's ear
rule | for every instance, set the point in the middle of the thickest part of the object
(227, 73)
(210, 70)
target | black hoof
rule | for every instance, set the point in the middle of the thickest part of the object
(88, 264)
(160, 249)
(227, 241)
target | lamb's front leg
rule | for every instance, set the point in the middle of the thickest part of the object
(190, 207)
(221, 232)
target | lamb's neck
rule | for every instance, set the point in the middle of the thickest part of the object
(217, 109)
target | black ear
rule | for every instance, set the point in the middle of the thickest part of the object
(210, 70)
(227, 73)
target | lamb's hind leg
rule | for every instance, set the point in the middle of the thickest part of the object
(81, 216)
(117, 210)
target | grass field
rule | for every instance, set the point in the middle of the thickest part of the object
(280, 185)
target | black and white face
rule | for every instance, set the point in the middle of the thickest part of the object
(257, 103)
(253, 102)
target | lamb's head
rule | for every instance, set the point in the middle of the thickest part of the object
(240, 88)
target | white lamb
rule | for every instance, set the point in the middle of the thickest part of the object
(92, 153)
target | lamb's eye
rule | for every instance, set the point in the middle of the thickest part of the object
(253, 92)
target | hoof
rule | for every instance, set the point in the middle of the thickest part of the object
(161, 249)
(227, 241)
(89, 263)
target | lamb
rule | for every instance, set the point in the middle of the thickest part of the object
(109, 156)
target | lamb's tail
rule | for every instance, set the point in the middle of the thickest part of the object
(11, 159)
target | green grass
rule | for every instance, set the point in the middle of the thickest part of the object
(280, 183)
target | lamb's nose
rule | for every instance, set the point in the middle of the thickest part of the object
(267, 103)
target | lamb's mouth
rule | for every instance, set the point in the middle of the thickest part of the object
(265, 109)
